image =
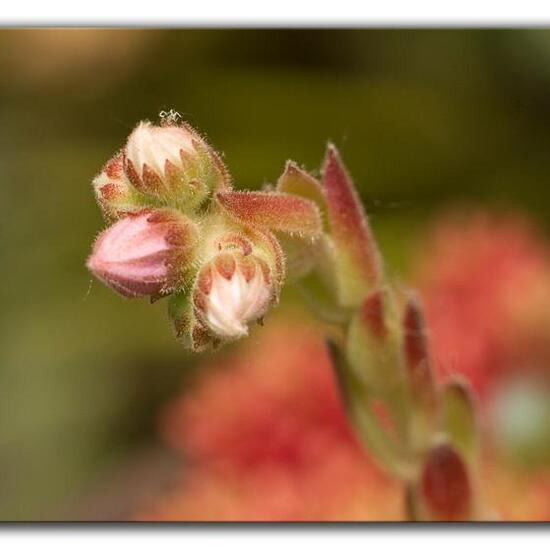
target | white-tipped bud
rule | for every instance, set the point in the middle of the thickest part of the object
(149, 147)
(172, 162)
(231, 291)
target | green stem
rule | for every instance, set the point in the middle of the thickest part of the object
(357, 401)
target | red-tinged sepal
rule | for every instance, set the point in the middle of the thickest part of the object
(188, 328)
(145, 254)
(357, 257)
(445, 489)
(302, 256)
(296, 181)
(371, 341)
(115, 194)
(416, 353)
(272, 210)
(421, 388)
(269, 249)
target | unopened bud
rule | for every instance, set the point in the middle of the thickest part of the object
(144, 254)
(172, 162)
(445, 489)
(231, 291)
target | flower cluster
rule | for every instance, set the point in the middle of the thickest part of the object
(178, 229)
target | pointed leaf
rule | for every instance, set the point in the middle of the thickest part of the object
(458, 416)
(277, 211)
(372, 350)
(296, 181)
(417, 358)
(358, 262)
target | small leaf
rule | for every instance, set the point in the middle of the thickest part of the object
(372, 349)
(357, 255)
(296, 181)
(276, 211)
(458, 417)
(417, 358)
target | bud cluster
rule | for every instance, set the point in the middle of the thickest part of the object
(177, 228)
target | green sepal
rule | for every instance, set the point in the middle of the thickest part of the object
(373, 342)
(180, 313)
(296, 181)
(458, 417)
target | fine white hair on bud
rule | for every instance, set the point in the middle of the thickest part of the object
(149, 147)
(232, 291)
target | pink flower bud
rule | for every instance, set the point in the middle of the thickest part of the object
(144, 254)
(149, 147)
(231, 291)
(172, 161)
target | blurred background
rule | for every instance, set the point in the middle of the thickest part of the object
(425, 120)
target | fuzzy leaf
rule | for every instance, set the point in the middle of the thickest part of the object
(374, 355)
(296, 181)
(188, 328)
(357, 256)
(276, 211)
(416, 354)
(371, 346)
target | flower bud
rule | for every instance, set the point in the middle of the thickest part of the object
(445, 488)
(144, 254)
(174, 163)
(232, 290)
